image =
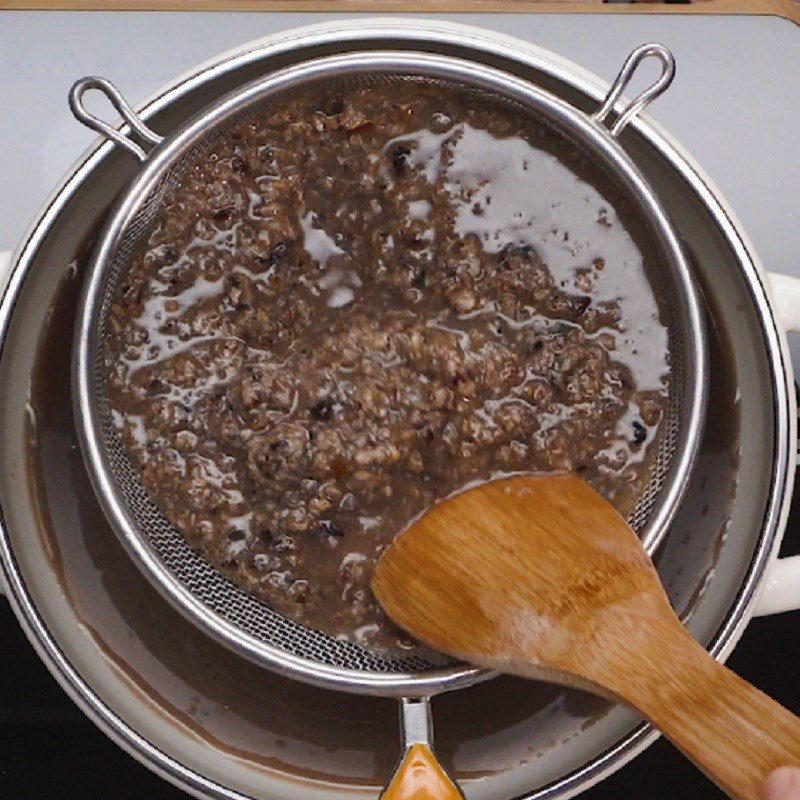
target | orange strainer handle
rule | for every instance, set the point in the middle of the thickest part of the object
(419, 776)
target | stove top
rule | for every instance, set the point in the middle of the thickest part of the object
(734, 105)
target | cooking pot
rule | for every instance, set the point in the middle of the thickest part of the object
(218, 727)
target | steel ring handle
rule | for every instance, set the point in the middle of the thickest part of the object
(642, 100)
(114, 96)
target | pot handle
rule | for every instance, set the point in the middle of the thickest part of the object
(781, 589)
(419, 775)
(114, 96)
(5, 274)
(642, 100)
(5, 269)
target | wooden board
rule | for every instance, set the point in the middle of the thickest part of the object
(789, 9)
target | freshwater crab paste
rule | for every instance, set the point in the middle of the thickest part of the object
(355, 305)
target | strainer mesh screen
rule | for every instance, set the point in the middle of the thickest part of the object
(219, 594)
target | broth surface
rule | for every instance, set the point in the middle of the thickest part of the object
(353, 306)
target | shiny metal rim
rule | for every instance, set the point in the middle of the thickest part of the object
(477, 42)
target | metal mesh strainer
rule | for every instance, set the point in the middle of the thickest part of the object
(205, 596)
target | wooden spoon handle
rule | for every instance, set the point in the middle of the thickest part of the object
(420, 777)
(733, 732)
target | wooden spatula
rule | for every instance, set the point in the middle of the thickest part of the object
(541, 577)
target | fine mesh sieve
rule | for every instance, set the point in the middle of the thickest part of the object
(205, 596)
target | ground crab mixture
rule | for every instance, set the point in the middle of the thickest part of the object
(356, 304)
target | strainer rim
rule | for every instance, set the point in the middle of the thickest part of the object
(590, 134)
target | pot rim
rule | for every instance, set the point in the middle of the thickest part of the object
(479, 41)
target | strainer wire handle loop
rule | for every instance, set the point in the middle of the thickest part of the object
(148, 137)
(642, 100)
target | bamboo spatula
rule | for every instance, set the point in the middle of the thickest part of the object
(541, 577)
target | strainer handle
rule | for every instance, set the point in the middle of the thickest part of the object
(642, 100)
(145, 135)
(419, 775)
